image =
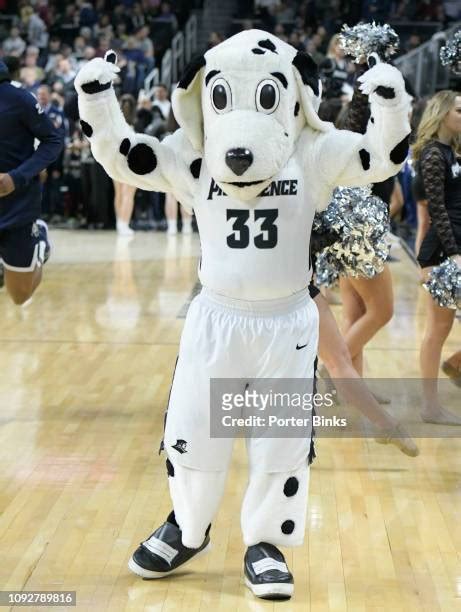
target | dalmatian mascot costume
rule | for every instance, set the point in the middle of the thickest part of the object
(254, 162)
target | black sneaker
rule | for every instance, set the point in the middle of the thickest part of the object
(266, 572)
(163, 552)
(2, 276)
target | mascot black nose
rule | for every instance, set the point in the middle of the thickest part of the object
(239, 160)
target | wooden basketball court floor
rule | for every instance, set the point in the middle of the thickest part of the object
(85, 375)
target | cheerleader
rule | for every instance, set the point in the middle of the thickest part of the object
(437, 150)
(368, 303)
(335, 356)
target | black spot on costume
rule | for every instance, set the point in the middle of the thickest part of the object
(86, 128)
(365, 159)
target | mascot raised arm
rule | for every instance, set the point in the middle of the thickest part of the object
(254, 161)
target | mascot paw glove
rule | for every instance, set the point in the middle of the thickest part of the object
(384, 84)
(97, 75)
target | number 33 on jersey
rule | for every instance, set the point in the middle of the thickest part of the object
(267, 238)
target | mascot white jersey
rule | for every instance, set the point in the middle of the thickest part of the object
(254, 161)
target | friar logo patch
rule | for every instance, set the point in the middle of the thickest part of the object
(180, 446)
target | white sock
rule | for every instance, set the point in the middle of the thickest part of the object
(187, 226)
(172, 226)
(123, 228)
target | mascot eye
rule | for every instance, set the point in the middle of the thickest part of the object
(267, 96)
(221, 96)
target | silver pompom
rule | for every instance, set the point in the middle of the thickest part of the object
(365, 38)
(444, 284)
(326, 269)
(362, 222)
(450, 55)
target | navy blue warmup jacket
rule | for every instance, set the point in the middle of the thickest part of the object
(21, 122)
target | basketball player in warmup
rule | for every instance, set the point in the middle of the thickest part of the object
(24, 246)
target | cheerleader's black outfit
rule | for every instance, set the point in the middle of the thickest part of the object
(440, 170)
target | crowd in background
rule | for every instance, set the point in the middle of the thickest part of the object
(46, 42)
(308, 24)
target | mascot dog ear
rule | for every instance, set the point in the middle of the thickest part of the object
(187, 102)
(310, 89)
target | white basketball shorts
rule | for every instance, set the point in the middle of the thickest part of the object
(227, 338)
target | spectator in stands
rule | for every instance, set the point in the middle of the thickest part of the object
(44, 99)
(143, 113)
(120, 36)
(87, 35)
(79, 49)
(88, 15)
(14, 44)
(138, 18)
(146, 45)
(376, 10)
(279, 31)
(167, 15)
(336, 71)
(103, 46)
(312, 47)
(88, 54)
(247, 24)
(52, 39)
(140, 65)
(336, 54)
(322, 33)
(295, 40)
(52, 105)
(132, 50)
(127, 81)
(68, 53)
(158, 124)
(31, 74)
(53, 54)
(413, 42)
(73, 175)
(66, 75)
(119, 15)
(105, 26)
(161, 100)
(214, 39)
(67, 25)
(285, 12)
(37, 33)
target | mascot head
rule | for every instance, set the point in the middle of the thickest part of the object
(243, 105)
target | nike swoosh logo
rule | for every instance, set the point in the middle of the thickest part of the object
(298, 348)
